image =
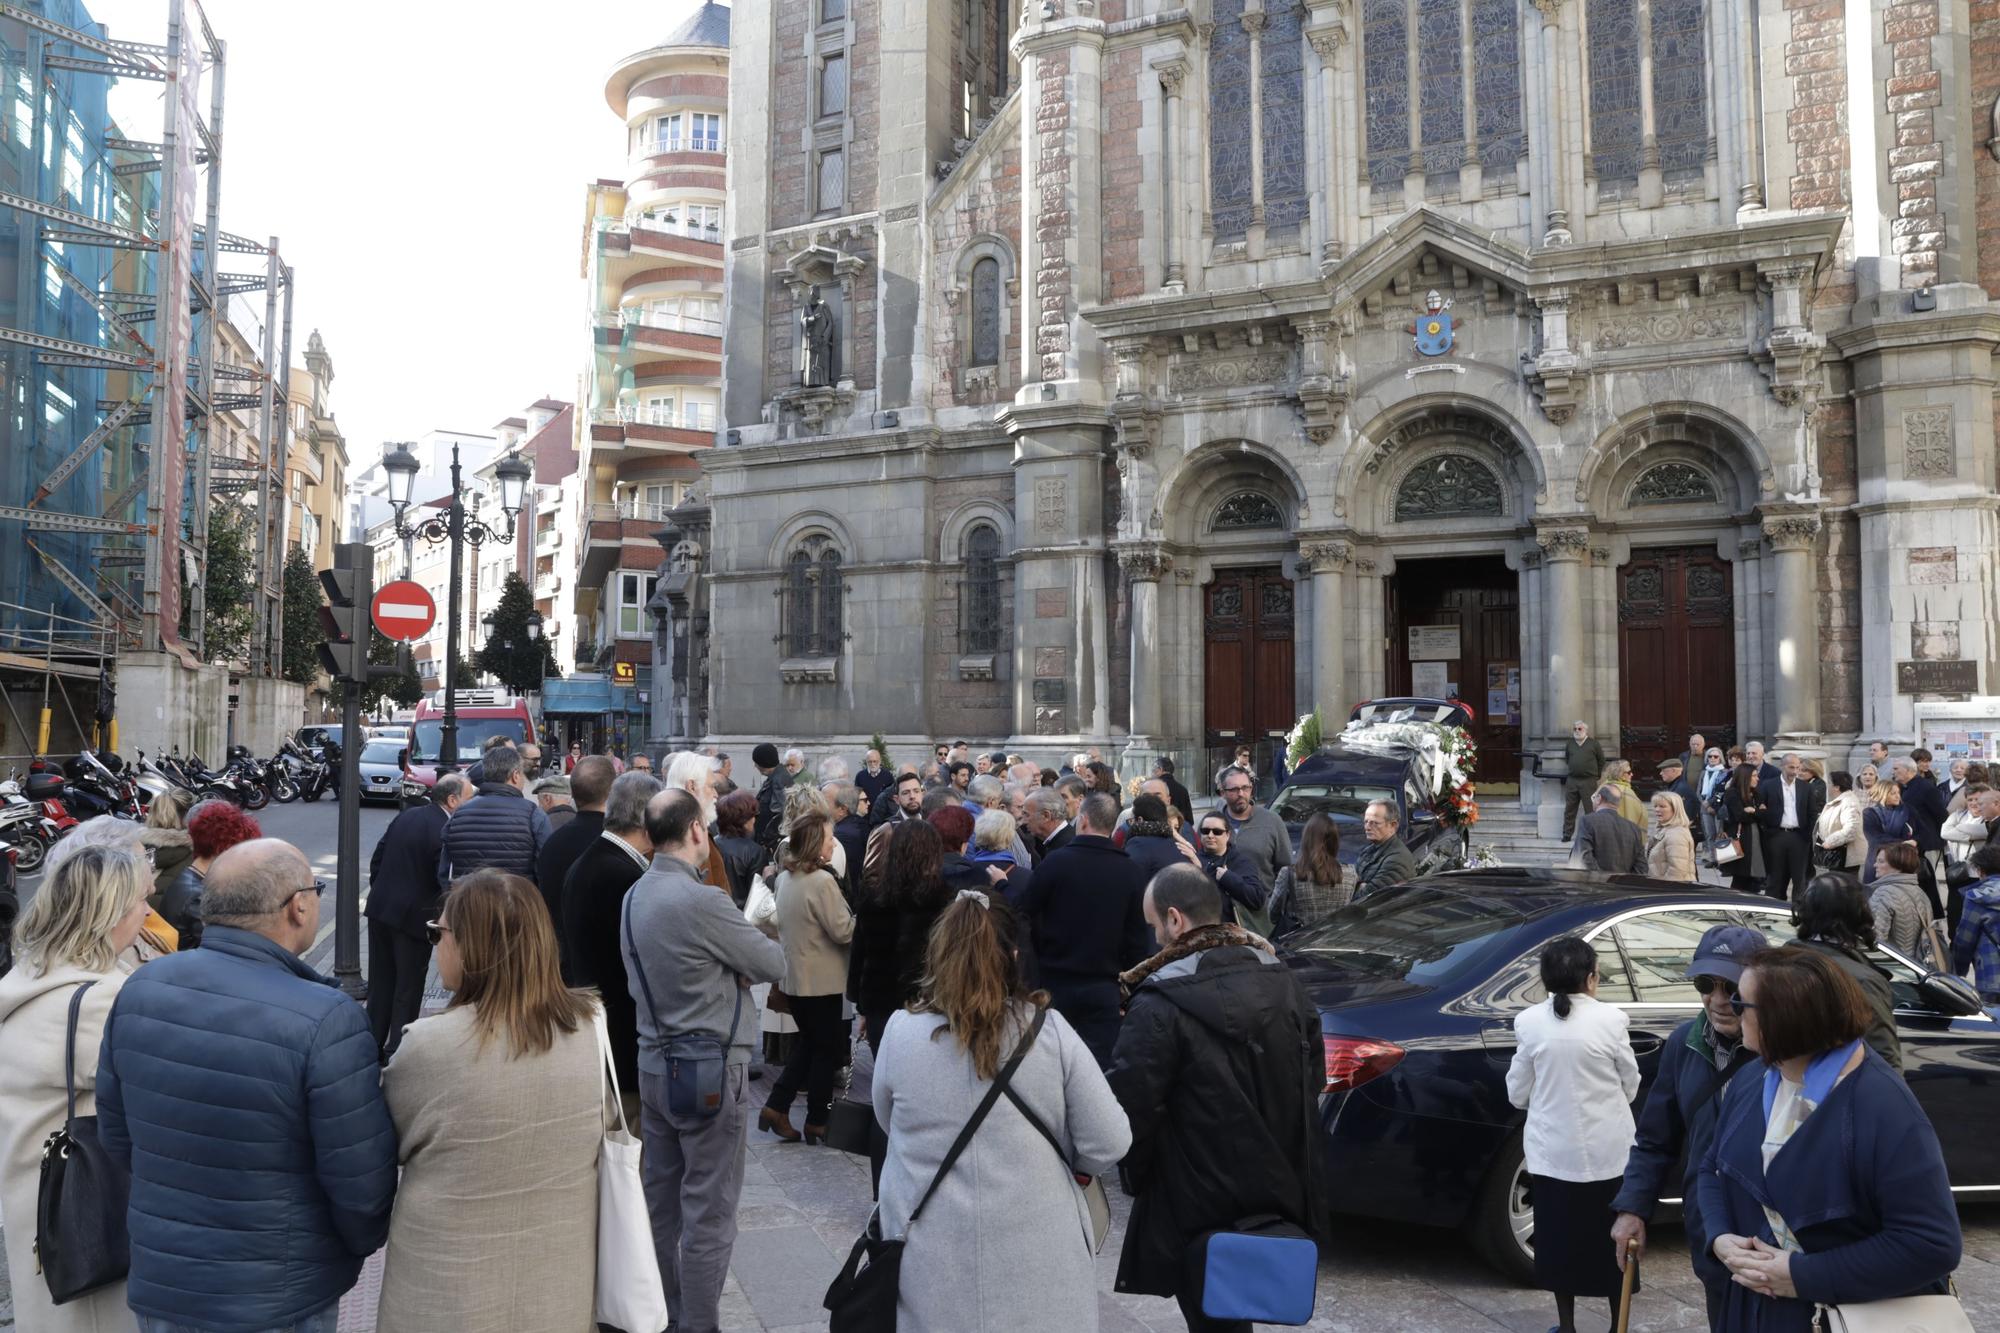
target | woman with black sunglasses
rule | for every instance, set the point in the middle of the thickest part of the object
(1229, 868)
(1824, 1183)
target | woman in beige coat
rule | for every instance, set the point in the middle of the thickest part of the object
(1670, 849)
(500, 1110)
(816, 928)
(87, 912)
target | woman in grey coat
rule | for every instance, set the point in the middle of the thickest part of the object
(1005, 1242)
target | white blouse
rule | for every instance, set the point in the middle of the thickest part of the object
(1577, 1077)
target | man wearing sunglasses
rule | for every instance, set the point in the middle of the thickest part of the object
(1696, 1063)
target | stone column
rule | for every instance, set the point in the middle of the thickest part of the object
(1326, 43)
(1327, 563)
(1796, 683)
(1144, 567)
(1652, 190)
(1172, 75)
(1253, 24)
(1552, 152)
(1563, 551)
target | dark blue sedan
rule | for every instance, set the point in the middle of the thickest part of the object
(1417, 988)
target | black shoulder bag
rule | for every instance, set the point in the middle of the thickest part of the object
(80, 1238)
(862, 1298)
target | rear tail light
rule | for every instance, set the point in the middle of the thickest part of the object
(1353, 1061)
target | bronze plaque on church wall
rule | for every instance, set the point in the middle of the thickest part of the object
(1051, 603)
(1955, 677)
(1051, 691)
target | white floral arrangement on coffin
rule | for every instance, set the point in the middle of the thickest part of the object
(1443, 750)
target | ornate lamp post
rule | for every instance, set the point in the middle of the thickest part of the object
(454, 525)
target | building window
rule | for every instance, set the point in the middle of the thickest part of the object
(982, 590)
(831, 193)
(658, 409)
(1674, 483)
(833, 85)
(696, 415)
(667, 134)
(812, 597)
(1444, 63)
(634, 591)
(1247, 509)
(832, 11)
(1680, 108)
(985, 313)
(1449, 486)
(704, 132)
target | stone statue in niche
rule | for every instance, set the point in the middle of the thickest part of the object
(816, 322)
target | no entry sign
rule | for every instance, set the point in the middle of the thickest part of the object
(403, 611)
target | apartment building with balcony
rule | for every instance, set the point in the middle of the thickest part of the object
(316, 462)
(653, 269)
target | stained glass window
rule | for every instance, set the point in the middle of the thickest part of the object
(1283, 94)
(1614, 89)
(982, 590)
(1441, 86)
(1385, 36)
(801, 591)
(832, 192)
(986, 313)
(1496, 90)
(1680, 98)
(830, 589)
(1229, 120)
(1674, 483)
(833, 85)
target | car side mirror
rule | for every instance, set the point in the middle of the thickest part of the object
(1950, 995)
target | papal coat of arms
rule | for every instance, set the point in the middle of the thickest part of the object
(1433, 326)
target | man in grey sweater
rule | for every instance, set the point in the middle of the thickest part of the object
(690, 959)
(1254, 831)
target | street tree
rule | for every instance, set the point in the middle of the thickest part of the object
(510, 656)
(301, 620)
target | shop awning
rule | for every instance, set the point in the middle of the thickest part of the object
(586, 697)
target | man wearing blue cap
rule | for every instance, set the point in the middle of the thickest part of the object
(1696, 1063)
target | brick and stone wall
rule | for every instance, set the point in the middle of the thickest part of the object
(1055, 227)
(968, 707)
(983, 198)
(1916, 158)
(1124, 173)
(1817, 122)
(1985, 166)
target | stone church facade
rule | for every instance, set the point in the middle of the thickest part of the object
(1626, 360)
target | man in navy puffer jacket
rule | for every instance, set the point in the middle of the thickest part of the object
(500, 827)
(244, 1093)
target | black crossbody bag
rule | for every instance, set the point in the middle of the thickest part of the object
(80, 1239)
(862, 1298)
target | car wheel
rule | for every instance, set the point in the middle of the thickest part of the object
(1502, 1226)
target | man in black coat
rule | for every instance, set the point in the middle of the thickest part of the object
(1925, 803)
(876, 781)
(589, 786)
(403, 897)
(1047, 823)
(592, 897)
(1085, 905)
(1673, 778)
(500, 827)
(850, 830)
(1791, 806)
(770, 796)
(1219, 1067)
(1177, 794)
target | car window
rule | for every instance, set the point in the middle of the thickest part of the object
(1903, 976)
(1659, 946)
(1614, 979)
(382, 752)
(1344, 801)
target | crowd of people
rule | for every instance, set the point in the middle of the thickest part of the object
(980, 922)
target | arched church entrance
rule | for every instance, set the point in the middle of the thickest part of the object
(1448, 490)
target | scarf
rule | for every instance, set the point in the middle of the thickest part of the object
(1220, 935)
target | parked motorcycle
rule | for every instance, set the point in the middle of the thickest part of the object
(89, 787)
(27, 826)
(319, 770)
(152, 781)
(278, 774)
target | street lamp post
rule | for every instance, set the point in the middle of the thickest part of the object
(460, 529)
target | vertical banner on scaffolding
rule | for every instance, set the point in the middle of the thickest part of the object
(175, 320)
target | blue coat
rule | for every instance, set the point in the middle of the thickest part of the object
(500, 828)
(1679, 1118)
(244, 1094)
(1861, 1184)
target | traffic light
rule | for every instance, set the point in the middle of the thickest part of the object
(343, 620)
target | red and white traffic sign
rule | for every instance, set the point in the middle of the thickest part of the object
(403, 610)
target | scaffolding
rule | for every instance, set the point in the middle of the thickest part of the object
(126, 403)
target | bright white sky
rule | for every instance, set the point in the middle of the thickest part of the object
(423, 164)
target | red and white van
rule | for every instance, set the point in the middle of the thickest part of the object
(482, 713)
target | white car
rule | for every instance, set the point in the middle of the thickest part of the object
(400, 735)
(382, 769)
